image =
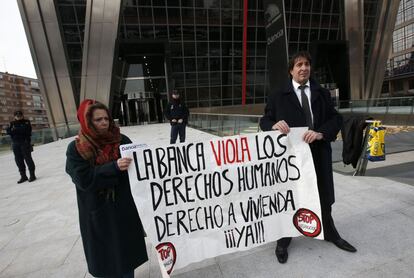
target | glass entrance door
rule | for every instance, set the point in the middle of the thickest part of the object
(144, 86)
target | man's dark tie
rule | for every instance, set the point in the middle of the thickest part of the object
(305, 106)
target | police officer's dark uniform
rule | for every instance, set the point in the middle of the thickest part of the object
(177, 113)
(20, 131)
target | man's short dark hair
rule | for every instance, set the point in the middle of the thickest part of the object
(18, 113)
(300, 54)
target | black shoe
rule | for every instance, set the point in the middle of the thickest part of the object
(22, 179)
(281, 254)
(32, 178)
(344, 245)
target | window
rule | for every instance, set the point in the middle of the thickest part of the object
(398, 85)
(37, 101)
(202, 64)
(201, 33)
(411, 84)
(189, 64)
(161, 31)
(160, 16)
(191, 79)
(177, 65)
(201, 16)
(203, 79)
(188, 33)
(187, 16)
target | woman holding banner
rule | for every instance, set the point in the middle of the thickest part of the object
(111, 230)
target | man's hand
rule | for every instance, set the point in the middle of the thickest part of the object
(282, 126)
(123, 163)
(180, 121)
(173, 120)
(310, 136)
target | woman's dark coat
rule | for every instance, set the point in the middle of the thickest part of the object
(284, 105)
(112, 234)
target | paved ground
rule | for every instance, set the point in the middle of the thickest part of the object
(39, 232)
(399, 163)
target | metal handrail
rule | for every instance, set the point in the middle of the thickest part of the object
(378, 102)
(392, 110)
(223, 114)
(224, 124)
(220, 123)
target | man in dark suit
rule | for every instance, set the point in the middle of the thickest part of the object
(303, 102)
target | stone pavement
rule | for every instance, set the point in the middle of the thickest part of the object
(399, 163)
(39, 232)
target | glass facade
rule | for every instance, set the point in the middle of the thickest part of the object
(196, 46)
(71, 14)
(204, 49)
(312, 25)
(310, 21)
(399, 74)
(401, 61)
(370, 20)
(205, 38)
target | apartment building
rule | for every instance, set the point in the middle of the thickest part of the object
(21, 93)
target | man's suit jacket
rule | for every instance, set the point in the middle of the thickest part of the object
(284, 105)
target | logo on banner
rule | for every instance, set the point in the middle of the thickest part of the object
(272, 14)
(307, 222)
(167, 253)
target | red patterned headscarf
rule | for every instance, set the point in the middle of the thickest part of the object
(98, 148)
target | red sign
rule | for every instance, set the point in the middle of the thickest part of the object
(167, 253)
(307, 222)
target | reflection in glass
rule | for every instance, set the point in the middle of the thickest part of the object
(132, 86)
(203, 42)
(191, 79)
(189, 64)
(201, 33)
(203, 79)
(135, 70)
(202, 64)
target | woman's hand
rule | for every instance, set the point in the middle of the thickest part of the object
(123, 163)
(282, 126)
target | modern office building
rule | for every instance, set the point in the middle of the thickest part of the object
(130, 53)
(399, 74)
(21, 93)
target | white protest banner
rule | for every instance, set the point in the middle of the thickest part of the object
(204, 199)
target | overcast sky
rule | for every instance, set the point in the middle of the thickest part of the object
(15, 54)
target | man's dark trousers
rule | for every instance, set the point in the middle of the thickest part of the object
(177, 129)
(23, 152)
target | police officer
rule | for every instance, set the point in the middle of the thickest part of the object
(20, 131)
(177, 113)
